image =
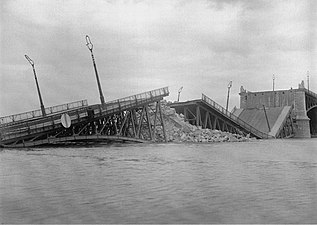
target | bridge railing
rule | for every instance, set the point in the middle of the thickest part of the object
(38, 113)
(310, 93)
(242, 123)
(135, 100)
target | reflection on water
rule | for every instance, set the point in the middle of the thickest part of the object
(271, 181)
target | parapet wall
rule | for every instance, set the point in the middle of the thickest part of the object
(270, 99)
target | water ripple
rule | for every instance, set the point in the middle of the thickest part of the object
(257, 182)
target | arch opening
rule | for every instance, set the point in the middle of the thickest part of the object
(312, 115)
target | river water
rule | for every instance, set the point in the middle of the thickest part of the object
(271, 181)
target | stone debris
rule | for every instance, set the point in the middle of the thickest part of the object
(177, 130)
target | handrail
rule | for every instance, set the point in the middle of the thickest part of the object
(136, 99)
(242, 123)
(145, 95)
(309, 92)
(38, 113)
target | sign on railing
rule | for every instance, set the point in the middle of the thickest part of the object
(242, 123)
(38, 113)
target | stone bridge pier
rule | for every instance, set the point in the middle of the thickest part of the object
(302, 120)
(311, 109)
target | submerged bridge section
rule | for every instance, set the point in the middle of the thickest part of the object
(206, 113)
(136, 118)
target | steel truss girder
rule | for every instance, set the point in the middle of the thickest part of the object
(205, 118)
(134, 123)
(138, 124)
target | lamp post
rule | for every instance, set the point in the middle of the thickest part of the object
(229, 86)
(179, 93)
(37, 85)
(90, 47)
(273, 78)
(308, 80)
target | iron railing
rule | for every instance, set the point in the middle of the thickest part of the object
(38, 113)
(135, 100)
(310, 92)
(234, 118)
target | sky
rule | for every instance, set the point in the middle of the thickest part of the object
(141, 45)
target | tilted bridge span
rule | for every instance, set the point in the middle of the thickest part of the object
(132, 119)
(207, 113)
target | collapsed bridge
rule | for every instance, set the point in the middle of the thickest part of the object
(206, 113)
(132, 119)
(138, 118)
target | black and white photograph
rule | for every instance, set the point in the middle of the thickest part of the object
(158, 111)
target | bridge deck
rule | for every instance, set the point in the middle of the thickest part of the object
(38, 125)
(229, 118)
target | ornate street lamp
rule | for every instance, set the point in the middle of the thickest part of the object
(229, 86)
(37, 85)
(308, 80)
(90, 47)
(179, 93)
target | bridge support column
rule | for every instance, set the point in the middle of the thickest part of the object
(302, 121)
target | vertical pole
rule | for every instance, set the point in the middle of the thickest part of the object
(308, 80)
(179, 93)
(229, 86)
(90, 47)
(214, 124)
(133, 125)
(267, 121)
(162, 121)
(37, 86)
(206, 120)
(135, 121)
(273, 90)
(140, 122)
(155, 118)
(227, 99)
(198, 116)
(149, 122)
(185, 114)
(39, 93)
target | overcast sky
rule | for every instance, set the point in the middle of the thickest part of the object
(143, 45)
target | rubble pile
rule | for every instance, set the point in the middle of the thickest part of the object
(177, 130)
